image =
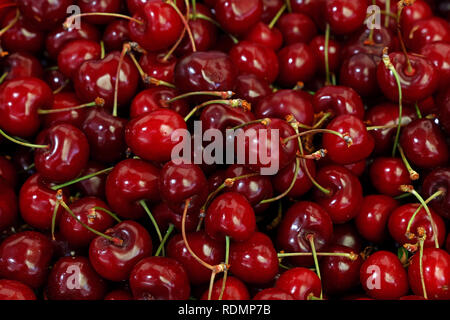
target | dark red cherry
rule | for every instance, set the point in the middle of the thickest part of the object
(99, 6)
(272, 294)
(164, 216)
(230, 214)
(22, 64)
(438, 180)
(436, 274)
(400, 217)
(427, 31)
(262, 34)
(37, 203)
(25, 257)
(251, 88)
(204, 247)
(95, 186)
(360, 73)
(339, 151)
(302, 185)
(297, 63)
(161, 26)
(150, 135)
(302, 220)
(345, 196)
(158, 66)
(357, 168)
(15, 290)
(388, 174)
(222, 117)
(236, 16)
(317, 46)
(296, 27)
(73, 278)
(138, 5)
(8, 171)
(416, 11)
(373, 216)
(119, 295)
(270, 9)
(44, 14)
(345, 16)
(339, 100)
(156, 98)
(20, 100)
(424, 144)
(106, 135)
(74, 53)
(8, 205)
(443, 101)
(159, 278)
(439, 54)
(234, 290)
(300, 283)
(62, 101)
(66, 156)
(57, 81)
(116, 33)
(128, 183)
(347, 235)
(313, 8)
(383, 276)
(115, 261)
(255, 260)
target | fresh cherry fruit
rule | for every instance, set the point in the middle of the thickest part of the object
(253, 58)
(161, 26)
(21, 65)
(15, 290)
(383, 276)
(97, 79)
(317, 46)
(296, 27)
(439, 54)
(303, 220)
(149, 136)
(302, 185)
(116, 33)
(120, 295)
(272, 294)
(400, 217)
(345, 16)
(234, 290)
(416, 11)
(300, 283)
(131, 181)
(138, 5)
(388, 174)
(427, 31)
(230, 214)
(360, 73)
(63, 101)
(73, 278)
(339, 151)
(57, 81)
(76, 234)
(236, 16)
(8, 171)
(345, 196)
(297, 63)
(339, 100)
(255, 260)
(20, 100)
(164, 216)
(159, 278)
(436, 273)
(8, 205)
(99, 6)
(373, 216)
(251, 88)
(116, 261)
(438, 180)
(346, 235)
(443, 102)
(44, 14)
(205, 71)
(106, 135)
(313, 8)
(270, 9)
(37, 203)
(416, 85)
(222, 117)
(95, 186)
(74, 53)
(158, 66)
(262, 34)
(157, 98)
(357, 168)
(424, 144)
(25, 257)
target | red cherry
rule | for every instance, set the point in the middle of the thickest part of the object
(416, 11)
(297, 63)
(347, 235)
(438, 180)
(222, 117)
(360, 73)
(99, 6)
(251, 88)
(119, 295)
(62, 101)
(427, 31)
(270, 9)
(317, 46)
(296, 27)
(238, 16)
(443, 102)
(234, 290)
(439, 54)
(157, 98)
(95, 186)
(116, 33)
(15, 290)
(57, 81)
(300, 283)
(272, 294)
(74, 53)
(8, 171)
(302, 185)
(21, 65)
(345, 16)
(266, 36)
(138, 5)
(340, 100)
(8, 205)
(313, 8)
(388, 174)
(156, 65)
(165, 216)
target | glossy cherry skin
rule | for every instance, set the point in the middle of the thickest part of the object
(373, 216)
(251, 88)
(157, 66)
(161, 26)
(205, 71)
(313, 8)
(418, 10)
(338, 150)
(235, 289)
(263, 35)
(8, 205)
(77, 235)
(297, 63)
(116, 33)
(284, 103)
(57, 81)
(317, 46)
(388, 174)
(424, 144)
(150, 135)
(99, 6)
(436, 274)
(427, 31)
(340, 100)
(115, 262)
(300, 283)
(95, 186)
(436, 180)
(272, 294)
(270, 9)
(106, 135)
(8, 171)
(238, 16)
(37, 203)
(383, 276)
(62, 101)
(15, 290)
(255, 260)
(128, 183)
(360, 73)
(25, 257)
(230, 214)
(222, 117)
(20, 100)
(97, 78)
(302, 185)
(22, 64)
(400, 217)
(303, 219)
(69, 272)
(439, 54)
(345, 198)
(44, 14)
(253, 58)
(204, 247)
(296, 27)
(347, 235)
(164, 216)
(159, 278)
(345, 16)
(416, 86)
(120, 295)
(74, 53)
(156, 98)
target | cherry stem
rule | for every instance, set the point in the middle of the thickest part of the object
(388, 13)
(211, 283)
(310, 238)
(146, 78)
(324, 118)
(3, 77)
(352, 256)
(185, 22)
(61, 88)
(67, 24)
(413, 175)
(194, 7)
(125, 50)
(225, 272)
(102, 50)
(402, 196)
(422, 279)
(277, 16)
(23, 142)
(327, 66)
(204, 17)
(275, 222)
(111, 214)
(175, 46)
(163, 242)
(11, 24)
(419, 114)
(86, 177)
(234, 103)
(264, 121)
(155, 224)
(390, 126)
(59, 197)
(344, 137)
(220, 94)
(289, 6)
(410, 69)
(99, 102)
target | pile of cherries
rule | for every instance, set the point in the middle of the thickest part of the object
(93, 206)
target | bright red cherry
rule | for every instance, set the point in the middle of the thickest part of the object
(302, 185)
(297, 63)
(164, 216)
(236, 16)
(296, 27)
(345, 16)
(313, 8)
(156, 98)
(158, 66)
(74, 53)
(235, 289)
(64, 100)
(8, 205)
(439, 54)
(340, 100)
(272, 294)
(317, 46)
(300, 283)
(15, 290)
(427, 31)
(416, 11)
(266, 36)
(251, 88)
(360, 73)
(438, 180)
(388, 174)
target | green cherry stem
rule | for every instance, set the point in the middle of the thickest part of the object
(234, 103)
(422, 279)
(327, 65)
(69, 21)
(102, 50)
(11, 24)
(99, 102)
(351, 256)
(310, 238)
(277, 16)
(164, 240)
(288, 5)
(86, 177)
(419, 114)
(413, 175)
(225, 272)
(155, 224)
(126, 48)
(185, 22)
(344, 137)
(111, 214)
(220, 94)
(23, 142)
(3, 77)
(145, 77)
(59, 198)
